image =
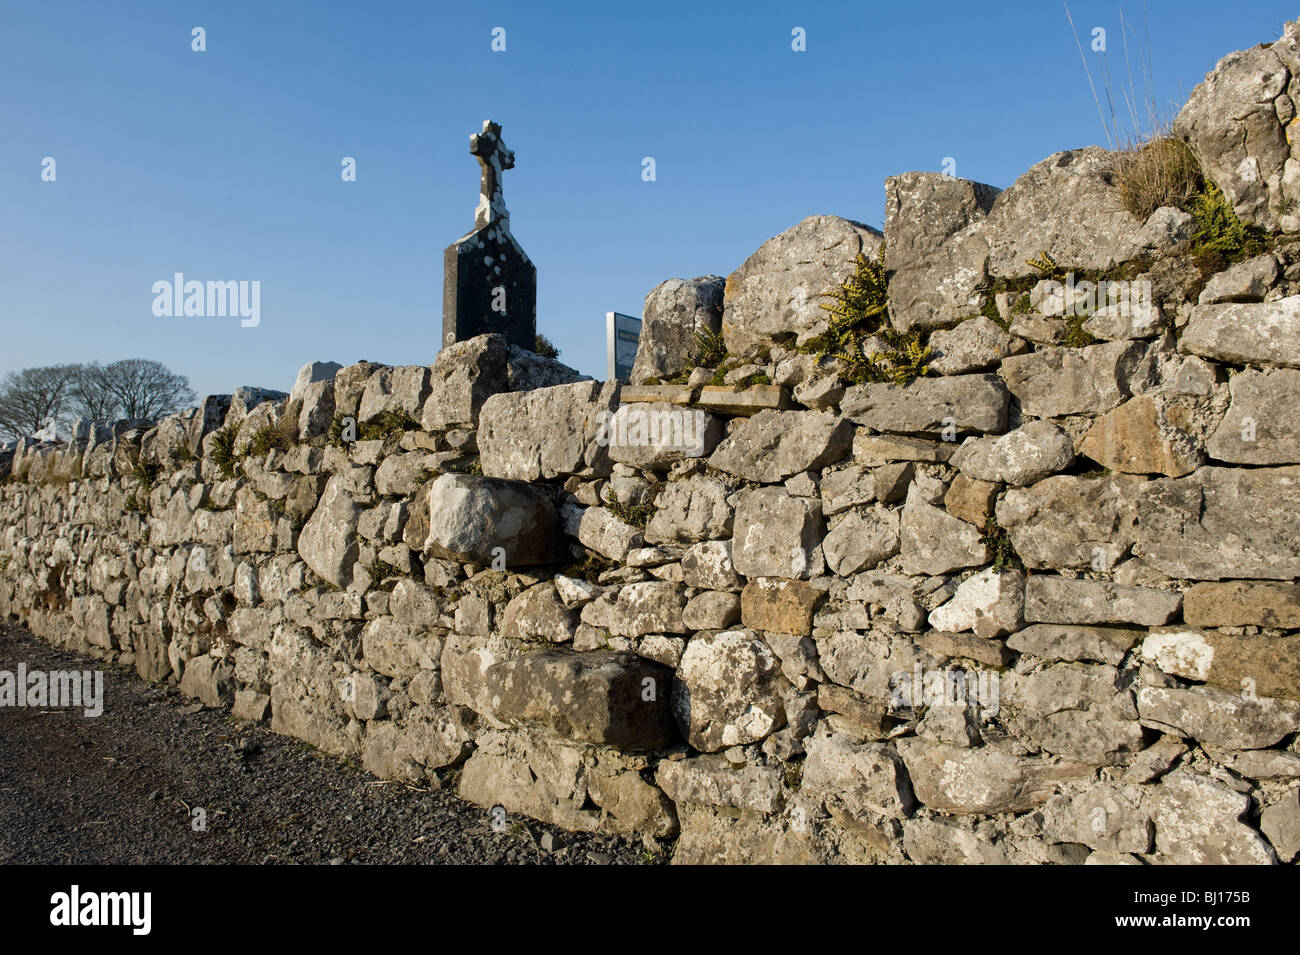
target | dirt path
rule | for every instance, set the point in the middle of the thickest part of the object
(120, 788)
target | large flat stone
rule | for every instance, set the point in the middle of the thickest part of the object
(1066, 521)
(1254, 333)
(605, 697)
(777, 535)
(983, 780)
(936, 249)
(1222, 523)
(477, 519)
(547, 433)
(1050, 599)
(1243, 603)
(1067, 381)
(957, 403)
(1259, 665)
(1260, 426)
(774, 445)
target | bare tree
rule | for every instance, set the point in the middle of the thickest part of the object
(30, 398)
(92, 394)
(133, 388)
(146, 389)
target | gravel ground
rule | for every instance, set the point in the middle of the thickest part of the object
(119, 789)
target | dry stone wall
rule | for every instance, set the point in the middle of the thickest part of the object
(1039, 605)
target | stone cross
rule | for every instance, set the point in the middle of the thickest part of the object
(494, 158)
(488, 283)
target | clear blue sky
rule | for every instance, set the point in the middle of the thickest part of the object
(224, 165)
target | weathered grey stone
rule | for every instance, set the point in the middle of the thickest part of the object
(1165, 228)
(398, 649)
(399, 474)
(602, 531)
(1280, 822)
(776, 291)
(328, 542)
(209, 681)
(464, 375)
(675, 312)
(777, 535)
(1257, 763)
(1068, 521)
(936, 248)
(1222, 523)
(986, 779)
(1023, 456)
(773, 445)
(1198, 822)
(943, 842)
(879, 449)
(1244, 282)
(512, 445)
(963, 403)
(655, 436)
(1143, 436)
(528, 371)
(1219, 717)
(728, 691)
(1069, 643)
(395, 390)
(429, 738)
(990, 602)
(1066, 381)
(691, 510)
(935, 542)
(864, 781)
(538, 614)
(1233, 127)
(317, 410)
(349, 384)
(476, 518)
(862, 539)
(1109, 817)
(1050, 599)
(712, 610)
(1260, 426)
(653, 606)
(1068, 206)
(977, 344)
(708, 565)
(1073, 710)
(846, 488)
(712, 781)
(1264, 333)
(310, 373)
(598, 697)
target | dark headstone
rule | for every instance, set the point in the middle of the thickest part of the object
(489, 284)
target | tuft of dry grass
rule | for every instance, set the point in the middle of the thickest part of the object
(1159, 172)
